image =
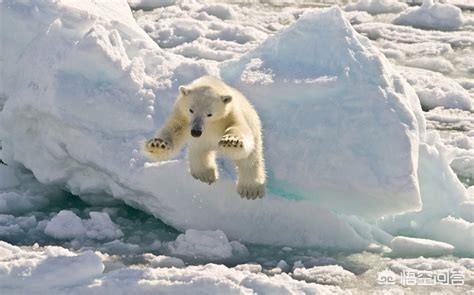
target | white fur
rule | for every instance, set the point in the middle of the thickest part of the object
(230, 127)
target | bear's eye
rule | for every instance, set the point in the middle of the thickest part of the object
(209, 115)
(191, 111)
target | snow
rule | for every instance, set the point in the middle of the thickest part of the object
(369, 125)
(84, 84)
(432, 16)
(406, 246)
(326, 275)
(377, 6)
(37, 270)
(57, 270)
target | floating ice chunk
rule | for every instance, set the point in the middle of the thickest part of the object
(430, 15)
(436, 90)
(435, 64)
(163, 261)
(68, 226)
(207, 245)
(100, 227)
(221, 11)
(327, 275)
(358, 17)
(377, 6)
(412, 247)
(149, 4)
(250, 267)
(65, 226)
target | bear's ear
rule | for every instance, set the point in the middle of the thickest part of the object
(183, 90)
(226, 98)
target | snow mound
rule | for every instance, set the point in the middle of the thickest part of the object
(68, 226)
(327, 275)
(65, 225)
(432, 16)
(377, 6)
(357, 123)
(405, 246)
(205, 245)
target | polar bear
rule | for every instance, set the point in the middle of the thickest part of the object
(216, 119)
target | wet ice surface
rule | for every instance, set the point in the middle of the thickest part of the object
(48, 216)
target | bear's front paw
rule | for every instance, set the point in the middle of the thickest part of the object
(206, 175)
(251, 191)
(231, 141)
(158, 147)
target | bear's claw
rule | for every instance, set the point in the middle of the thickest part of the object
(156, 145)
(251, 191)
(207, 176)
(231, 141)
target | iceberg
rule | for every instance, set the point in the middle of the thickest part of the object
(348, 125)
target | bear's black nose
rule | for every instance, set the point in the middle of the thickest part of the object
(196, 133)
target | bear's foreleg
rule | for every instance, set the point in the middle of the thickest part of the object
(236, 143)
(170, 139)
(202, 164)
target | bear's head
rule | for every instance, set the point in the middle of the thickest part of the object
(203, 105)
